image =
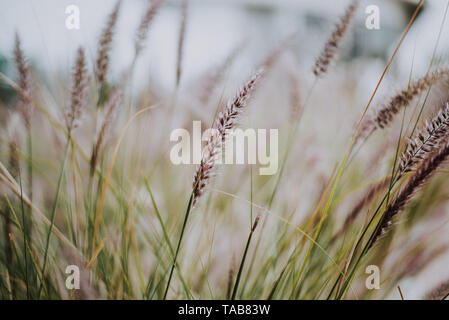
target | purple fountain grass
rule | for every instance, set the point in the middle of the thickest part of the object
(422, 175)
(425, 141)
(142, 30)
(182, 32)
(226, 120)
(78, 99)
(24, 105)
(360, 204)
(384, 115)
(295, 97)
(440, 292)
(104, 45)
(330, 48)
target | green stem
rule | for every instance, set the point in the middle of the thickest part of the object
(242, 263)
(167, 239)
(52, 217)
(28, 221)
(186, 217)
(30, 165)
(24, 228)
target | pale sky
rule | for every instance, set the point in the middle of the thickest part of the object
(214, 27)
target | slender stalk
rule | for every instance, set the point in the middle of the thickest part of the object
(29, 226)
(242, 263)
(25, 238)
(186, 217)
(252, 227)
(53, 212)
(30, 164)
(167, 239)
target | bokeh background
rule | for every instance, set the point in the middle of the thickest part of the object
(215, 27)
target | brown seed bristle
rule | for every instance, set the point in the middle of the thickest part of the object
(384, 115)
(142, 30)
(24, 106)
(425, 141)
(104, 45)
(440, 292)
(423, 173)
(295, 97)
(182, 31)
(225, 121)
(420, 260)
(331, 46)
(78, 100)
(357, 209)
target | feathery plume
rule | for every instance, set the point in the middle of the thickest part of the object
(363, 201)
(24, 106)
(419, 261)
(142, 31)
(182, 32)
(295, 98)
(381, 118)
(425, 141)
(438, 293)
(424, 172)
(78, 100)
(111, 107)
(331, 46)
(104, 45)
(225, 121)
(228, 117)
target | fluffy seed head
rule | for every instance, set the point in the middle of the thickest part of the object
(142, 30)
(78, 100)
(385, 114)
(423, 173)
(225, 121)
(295, 97)
(24, 81)
(360, 204)
(227, 118)
(438, 293)
(182, 32)
(331, 46)
(425, 141)
(104, 45)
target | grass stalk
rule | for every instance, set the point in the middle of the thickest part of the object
(53, 212)
(178, 246)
